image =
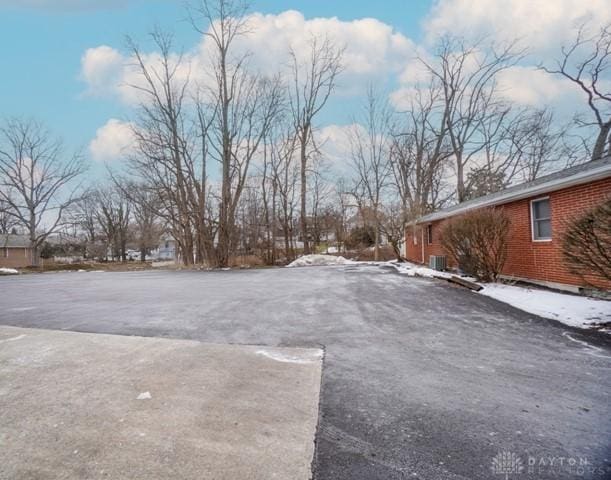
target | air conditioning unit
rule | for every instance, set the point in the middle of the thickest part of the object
(437, 262)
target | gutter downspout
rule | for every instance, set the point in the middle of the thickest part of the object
(422, 242)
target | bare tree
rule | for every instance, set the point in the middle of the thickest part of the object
(113, 215)
(392, 225)
(269, 194)
(245, 106)
(467, 75)
(539, 144)
(285, 174)
(164, 141)
(143, 203)
(420, 151)
(370, 152)
(83, 215)
(36, 179)
(7, 221)
(319, 193)
(342, 205)
(519, 144)
(586, 63)
(313, 81)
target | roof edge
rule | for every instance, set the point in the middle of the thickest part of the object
(578, 178)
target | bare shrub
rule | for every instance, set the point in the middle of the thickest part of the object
(385, 254)
(587, 243)
(478, 242)
(245, 261)
(361, 237)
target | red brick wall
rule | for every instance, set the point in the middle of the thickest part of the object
(526, 258)
(17, 257)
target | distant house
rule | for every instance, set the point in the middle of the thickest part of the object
(167, 250)
(15, 251)
(538, 211)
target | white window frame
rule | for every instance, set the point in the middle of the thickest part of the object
(429, 234)
(532, 220)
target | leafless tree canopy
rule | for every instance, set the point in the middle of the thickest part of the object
(36, 179)
(313, 81)
(587, 63)
(229, 163)
(370, 140)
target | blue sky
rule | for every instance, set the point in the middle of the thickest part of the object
(43, 43)
(42, 48)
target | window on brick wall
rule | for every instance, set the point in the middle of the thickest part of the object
(541, 216)
(429, 234)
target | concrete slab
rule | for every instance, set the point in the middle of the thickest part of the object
(89, 406)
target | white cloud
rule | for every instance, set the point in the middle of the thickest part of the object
(372, 48)
(109, 73)
(542, 25)
(533, 87)
(64, 5)
(113, 141)
(335, 146)
(374, 51)
(102, 69)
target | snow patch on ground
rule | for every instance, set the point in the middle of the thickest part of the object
(590, 349)
(306, 358)
(571, 310)
(144, 396)
(412, 270)
(8, 271)
(319, 260)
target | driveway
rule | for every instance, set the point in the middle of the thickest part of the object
(421, 380)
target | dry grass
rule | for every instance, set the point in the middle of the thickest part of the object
(367, 254)
(72, 267)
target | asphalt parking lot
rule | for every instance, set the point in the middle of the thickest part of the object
(420, 379)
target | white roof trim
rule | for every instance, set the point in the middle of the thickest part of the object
(578, 178)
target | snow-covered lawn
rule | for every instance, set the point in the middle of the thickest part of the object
(8, 271)
(319, 260)
(571, 310)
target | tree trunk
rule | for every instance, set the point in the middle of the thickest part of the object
(397, 250)
(601, 140)
(33, 241)
(273, 226)
(304, 190)
(460, 181)
(376, 246)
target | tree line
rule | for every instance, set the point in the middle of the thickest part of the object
(230, 161)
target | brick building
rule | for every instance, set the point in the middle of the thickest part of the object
(539, 211)
(15, 251)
